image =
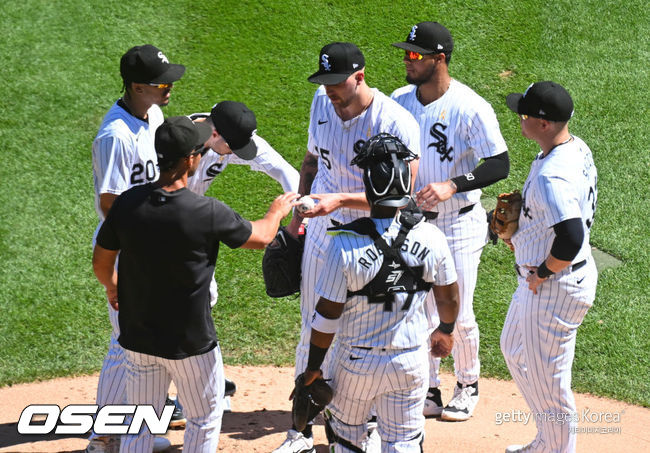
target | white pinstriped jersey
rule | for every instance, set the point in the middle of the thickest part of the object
(457, 130)
(560, 186)
(123, 152)
(332, 140)
(353, 261)
(268, 160)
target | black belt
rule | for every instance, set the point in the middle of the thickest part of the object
(572, 268)
(431, 215)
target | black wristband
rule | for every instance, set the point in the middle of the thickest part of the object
(446, 327)
(543, 271)
(316, 357)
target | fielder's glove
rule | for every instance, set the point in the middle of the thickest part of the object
(281, 264)
(505, 217)
(309, 400)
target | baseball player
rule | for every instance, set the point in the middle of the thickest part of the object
(458, 129)
(123, 157)
(230, 122)
(234, 126)
(168, 239)
(345, 112)
(372, 295)
(556, 273)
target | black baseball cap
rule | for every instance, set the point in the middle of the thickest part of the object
(547, 100)
(336, 62)
(428, 38)
(179, 136)
(147, 64)
(237, 124)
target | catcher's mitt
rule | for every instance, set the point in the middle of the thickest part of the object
(281, 264)
(505, 217)
(309, 400)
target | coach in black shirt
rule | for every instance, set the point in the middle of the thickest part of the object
(168, 240)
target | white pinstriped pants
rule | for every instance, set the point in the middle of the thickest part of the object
(313, 261)
(393, 382)
(111, 388)
(200, 383)
(466, 236)
(538, 343)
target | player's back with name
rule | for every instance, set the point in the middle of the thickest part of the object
(402, 323)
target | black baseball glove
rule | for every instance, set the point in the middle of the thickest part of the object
(309, 400)
(281, 264)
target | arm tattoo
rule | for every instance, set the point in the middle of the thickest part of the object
(307, 174)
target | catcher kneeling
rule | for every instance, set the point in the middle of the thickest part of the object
(380, 270)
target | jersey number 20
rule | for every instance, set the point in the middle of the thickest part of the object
(141, 173)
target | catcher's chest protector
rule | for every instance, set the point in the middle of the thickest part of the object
(394, 276)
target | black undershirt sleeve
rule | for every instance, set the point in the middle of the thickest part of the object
(569, 235)
(490, 171)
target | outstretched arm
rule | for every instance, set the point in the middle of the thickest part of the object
(308, 172)
(491, 170)
(265, 229)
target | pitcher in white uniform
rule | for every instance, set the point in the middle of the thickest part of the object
(556, 272)
(345, 113)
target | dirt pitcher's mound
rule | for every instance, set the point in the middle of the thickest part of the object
(261, 415)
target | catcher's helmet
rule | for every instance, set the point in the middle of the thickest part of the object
(386, 173)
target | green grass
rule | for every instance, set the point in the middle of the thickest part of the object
(60, 75)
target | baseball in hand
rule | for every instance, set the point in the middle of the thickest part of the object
(305, 204)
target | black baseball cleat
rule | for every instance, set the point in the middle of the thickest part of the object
(231, 388)
(178, 419)
(462, 405)
(433, 403)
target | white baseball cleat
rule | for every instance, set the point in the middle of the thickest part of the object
(296, 443)
(433, 403)
(372, 443)
(519, 448)
(462, 405)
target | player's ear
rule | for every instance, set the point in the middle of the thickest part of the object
(359, 76)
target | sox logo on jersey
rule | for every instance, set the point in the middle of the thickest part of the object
(441, 142)
(461, 128)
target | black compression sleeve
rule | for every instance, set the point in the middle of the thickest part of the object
(569, 235)
(316, 357)
(490, 171)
